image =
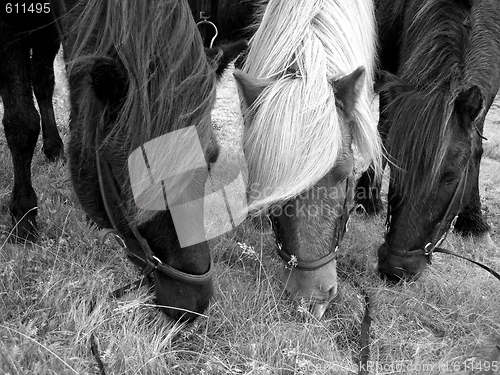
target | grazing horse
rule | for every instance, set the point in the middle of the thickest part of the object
(29, 42)
(28, 45)
(444, 60)
(306, 92)
(138, 72)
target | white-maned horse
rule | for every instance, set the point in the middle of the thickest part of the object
(306, 92)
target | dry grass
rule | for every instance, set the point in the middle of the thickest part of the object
(452, 314)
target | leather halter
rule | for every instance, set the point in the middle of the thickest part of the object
(205, 9)
(292, 261)
(441, 230)
(136, 247)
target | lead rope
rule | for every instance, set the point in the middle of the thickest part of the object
(94, 346)
(145, 280)
(365, 338)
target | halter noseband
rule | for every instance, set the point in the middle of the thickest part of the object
(136, 247)
(442, 228)
(292, 261)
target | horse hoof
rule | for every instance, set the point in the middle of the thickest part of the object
(25, 231)
(53, 150)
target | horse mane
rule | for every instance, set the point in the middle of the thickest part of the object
(295, 137)
(444, 49)
(435, 42)
(418, 148)
(170, 82)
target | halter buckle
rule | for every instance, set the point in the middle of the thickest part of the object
(151, 264)
(346, 225)
(388, 224)
(453, 222)
(428, 251)
(292, 263)
(105, 233)
(156, 260)
(275, 232)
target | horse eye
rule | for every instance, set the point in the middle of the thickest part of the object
(449, 178)
(451, 181)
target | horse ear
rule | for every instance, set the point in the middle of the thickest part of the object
(221, 56)
(468, 105)
(348, 88)
(109, 82)
(249, 88)
(382, 77)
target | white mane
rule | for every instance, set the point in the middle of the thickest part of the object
(295, 135)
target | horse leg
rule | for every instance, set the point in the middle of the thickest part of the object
(470, 222)
(22, 126)
(45, 45)
(367, 192)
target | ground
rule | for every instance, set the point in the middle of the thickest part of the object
(447, 322)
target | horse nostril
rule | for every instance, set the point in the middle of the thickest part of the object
(392, 279)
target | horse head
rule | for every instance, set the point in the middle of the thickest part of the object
(433, 144)
(142, 91)
(306, 96)
(309, 226)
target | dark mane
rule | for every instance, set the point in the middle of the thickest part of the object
(444, 55)
(436, 39)
(157, 45)
(418, 144)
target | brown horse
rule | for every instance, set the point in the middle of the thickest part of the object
(28, 45)
(29, 42)
(443, 56)
(138, 71)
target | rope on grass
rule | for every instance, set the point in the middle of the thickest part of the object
(365, 338)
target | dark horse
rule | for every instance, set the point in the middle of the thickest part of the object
(443, 56)
(28, 45)
(138, 71)
(29, 42)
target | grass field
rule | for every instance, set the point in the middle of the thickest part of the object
(447, 322)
